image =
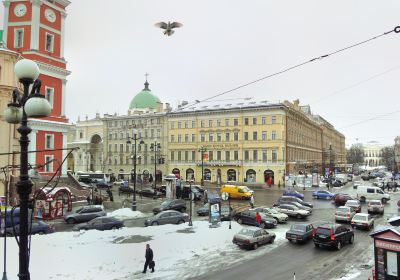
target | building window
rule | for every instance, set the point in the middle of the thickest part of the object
(210, 122)
(48, 167)
(264, 136)
(127, 148)
(254, 120)
(219, 137)
(226, 122)
(218, 123)
(158, 133)
(186, 124)
(235, 122)
(246, 121)
(227, 155)
(273, 119)
(116, 161)
(263, 120)
(179, 138)
(49, 42)
(179, 125)
(246, 136)
(236, 136)
(18, 38)
(255, 155)
(49, 94)
(172, 138)
(121, 148)
(172, 155)
(211, 137)
(193, 137)
(179, 155)
(273, 135)
(186, 155)
(186, 137)
(227, 137)
(202, 137)
(115, 147)
(110, 148)
(193, 155)
(172, 125)
(49, 141)
(236, 155)
(201, 123)
(274, 155)
(218, 155)
(193, 124)
(210, 155)
(246, 155)
(255, 135)
(81, 134)
(121, 135)
(152, 133)
(264, 156)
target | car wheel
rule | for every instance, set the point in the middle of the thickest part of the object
(239, 221)
(154, 224)
(71, 221)
(351, 241)
(180, 222)
(371, 226)
(277, 220)
(272, 240)
(362, 199)
(263, 225)
(41, 232)
(384, 200)
(298, 216)
(339, 245)
(315, 197)
(316, 245)
(114, 227)
(255, 246)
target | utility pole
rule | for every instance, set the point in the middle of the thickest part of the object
(202, 150)
(155, 147)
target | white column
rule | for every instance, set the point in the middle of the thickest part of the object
(63, 97)
(64, 153)
(62, 40)
(32, 147)
(6, 4)
(35, 24)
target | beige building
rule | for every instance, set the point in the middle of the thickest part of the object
(9, 135)
(373, 153)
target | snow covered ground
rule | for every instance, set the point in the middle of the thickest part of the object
(126, 213)
(180, 252)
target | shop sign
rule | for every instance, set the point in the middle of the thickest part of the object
(387, 245)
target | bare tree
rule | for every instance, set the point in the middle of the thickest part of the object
(388, 158)
(355, 154)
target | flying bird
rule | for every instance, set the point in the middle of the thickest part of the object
(168, 27)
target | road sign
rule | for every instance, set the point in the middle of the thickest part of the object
(224, 196)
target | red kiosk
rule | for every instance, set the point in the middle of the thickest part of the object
(52, 203)
(387, 252)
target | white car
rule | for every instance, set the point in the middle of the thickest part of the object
(376, 206)
(273, 213)
(362, 220)
(293, 211)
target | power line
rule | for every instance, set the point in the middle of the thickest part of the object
(396, 30)
(370, 119)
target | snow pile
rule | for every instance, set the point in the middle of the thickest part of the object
(119, 254)
(126, 213)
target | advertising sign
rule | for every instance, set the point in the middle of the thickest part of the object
(315, 181)
(391, 263)
(215, 213)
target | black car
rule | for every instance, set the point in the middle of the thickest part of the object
(199, 188)
(332, 235)
(100, 223)
(185, 193)
(149, 192)
(204, 210)
(125, 189)
(249, 218)
(172, 204)
(300, 232)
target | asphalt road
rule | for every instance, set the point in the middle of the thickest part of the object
(306, 261)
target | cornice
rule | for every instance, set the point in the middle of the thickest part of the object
(53, 69)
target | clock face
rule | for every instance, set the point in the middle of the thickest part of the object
(20, 10)
(50, 15)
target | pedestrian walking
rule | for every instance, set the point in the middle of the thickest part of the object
(88, 200)
(149, 259)
(252, 201)
(258, 219)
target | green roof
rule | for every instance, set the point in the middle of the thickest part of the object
(144, 99)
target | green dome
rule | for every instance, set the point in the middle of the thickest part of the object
(144, 99)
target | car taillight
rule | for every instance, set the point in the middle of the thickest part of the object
(313, 232)
(348, 215)
(332, 236)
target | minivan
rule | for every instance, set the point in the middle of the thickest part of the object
(365, 193)
(241, 192)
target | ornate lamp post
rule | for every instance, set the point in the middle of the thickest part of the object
(134, 138)
(155, 147)
(202, 150)
(33, 105)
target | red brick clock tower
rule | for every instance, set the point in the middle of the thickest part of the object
(36, 29)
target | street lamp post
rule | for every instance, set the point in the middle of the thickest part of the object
(155, 147)
(202, 150)
(33, 105)
(134, 138)
(190, 206)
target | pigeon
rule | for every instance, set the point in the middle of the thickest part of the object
(168, 27)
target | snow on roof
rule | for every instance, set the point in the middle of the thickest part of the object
(237, 103)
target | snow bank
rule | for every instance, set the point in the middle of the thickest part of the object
(126, 213)
(119, 254)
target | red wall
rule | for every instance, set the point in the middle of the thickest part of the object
(40, 145)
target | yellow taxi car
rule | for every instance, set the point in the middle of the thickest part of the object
(238, 192)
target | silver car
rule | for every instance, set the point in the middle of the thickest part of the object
(344, 213)
(167, 217)
(252, 237)
(85, 214)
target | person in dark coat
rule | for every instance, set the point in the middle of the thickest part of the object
(149, 258)
(88, 200)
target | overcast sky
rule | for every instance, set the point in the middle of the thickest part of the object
(110, 45)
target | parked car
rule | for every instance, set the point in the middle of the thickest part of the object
(298, 205)
(332, 235)
(150, 192)
(199, 188)
(365, 193)
(100, 223)
(376, 206)
(293, 193)
(252, 237)
(341, 199)
(332, 182)
(284, 199)
(185, 194)
(350, 177)
(300, 232)
(124, 188)
(85, 214)
(273, 213)
(171, 204)
(167, 217)
(248, 217)
(240, 192)
(226, 213)
(322, 194)
(204, 210)
(354, 204)
(365, 177)
(35, 227)
(293, 211)
(344, 213)
(362, 220)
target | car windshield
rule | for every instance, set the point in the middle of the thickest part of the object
(166, 203)
(352, 203)
(272, 211)
(324, 231)
(360, 217)
(343, 210)
(246, 189)
(298, 227)
(79, 210)
(247, 232)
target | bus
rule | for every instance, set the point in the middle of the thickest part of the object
(91, 177)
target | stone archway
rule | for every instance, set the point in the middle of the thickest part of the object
(231, 175)
(96, 153)
(251, 176)
(189, 174)
(269, 176)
